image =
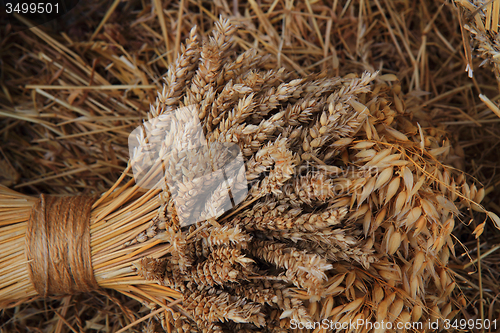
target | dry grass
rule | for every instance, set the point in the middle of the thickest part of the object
(60, 139)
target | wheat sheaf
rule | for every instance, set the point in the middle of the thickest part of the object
(349, 213)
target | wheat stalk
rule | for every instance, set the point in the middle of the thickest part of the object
(349, 211)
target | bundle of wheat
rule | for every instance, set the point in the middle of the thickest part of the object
(348, 216)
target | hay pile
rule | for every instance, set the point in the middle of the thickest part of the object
(303, 48)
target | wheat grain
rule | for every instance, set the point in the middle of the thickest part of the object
(349, 213)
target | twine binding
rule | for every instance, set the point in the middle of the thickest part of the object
(58, 246)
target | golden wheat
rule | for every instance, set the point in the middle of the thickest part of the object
(349, 212)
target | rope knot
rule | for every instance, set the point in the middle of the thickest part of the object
(58, 245)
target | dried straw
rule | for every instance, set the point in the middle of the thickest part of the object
(341, 146)
(425, 29)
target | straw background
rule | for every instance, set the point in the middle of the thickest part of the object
(72, 90)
